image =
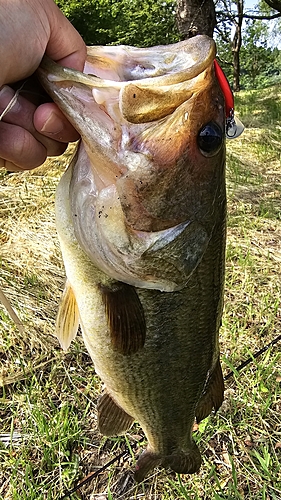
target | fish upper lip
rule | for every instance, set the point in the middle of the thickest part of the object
(159, 78)
(166, 72)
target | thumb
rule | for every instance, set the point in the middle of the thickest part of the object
(65, 45)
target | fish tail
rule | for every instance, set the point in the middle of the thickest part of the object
(182, 462)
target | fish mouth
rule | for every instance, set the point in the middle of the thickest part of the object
(138, 170)
(148, 84)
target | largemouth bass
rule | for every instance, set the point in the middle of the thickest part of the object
(141, 221)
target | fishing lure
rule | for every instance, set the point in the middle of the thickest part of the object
(233, 127)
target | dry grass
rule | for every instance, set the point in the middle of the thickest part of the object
(48, 435)
(31, 268)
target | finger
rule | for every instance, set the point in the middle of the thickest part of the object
(49, 121)
(21, 114)
(65, 44)
(19, 146)
(9, 166)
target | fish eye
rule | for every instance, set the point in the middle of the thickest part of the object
(210, 139)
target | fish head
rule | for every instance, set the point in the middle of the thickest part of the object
(149, 173)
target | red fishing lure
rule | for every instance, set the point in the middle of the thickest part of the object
(233, 126)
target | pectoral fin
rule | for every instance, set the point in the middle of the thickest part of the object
(67, 318)
(112, 419)
(125, 317)
(213, 395)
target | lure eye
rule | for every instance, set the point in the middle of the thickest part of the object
(210, 139)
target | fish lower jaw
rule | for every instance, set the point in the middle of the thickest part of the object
(182, 462)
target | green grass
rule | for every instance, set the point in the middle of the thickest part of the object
(48, 434)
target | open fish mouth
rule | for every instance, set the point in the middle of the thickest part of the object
(146, 84)
(147, 170)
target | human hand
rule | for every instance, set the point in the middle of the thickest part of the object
(28, 30)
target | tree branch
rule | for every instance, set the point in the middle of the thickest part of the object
(265, 18)
(223, 61)
(223, 35)
(274, 4)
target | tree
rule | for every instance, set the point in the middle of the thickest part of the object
(237, 43)
(230, 16)
(196, 17)
(130, 22)
(257, 57)
(233, 24)
(153, 22)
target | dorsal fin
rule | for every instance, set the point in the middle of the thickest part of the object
(68, 317)
(125, 317)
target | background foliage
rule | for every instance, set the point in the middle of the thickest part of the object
(259, 54)
(152, 22)
(260, 62)
(130, 22)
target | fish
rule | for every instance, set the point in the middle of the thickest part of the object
(141, 219)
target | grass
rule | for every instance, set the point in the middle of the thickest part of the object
(48, 434)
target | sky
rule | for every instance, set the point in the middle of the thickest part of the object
(250, 4)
